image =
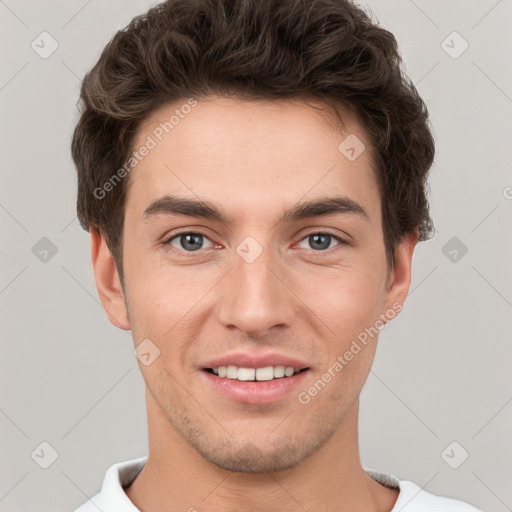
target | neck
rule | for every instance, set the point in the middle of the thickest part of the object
(330, 479)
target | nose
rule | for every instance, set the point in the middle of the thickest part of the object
(255, 296)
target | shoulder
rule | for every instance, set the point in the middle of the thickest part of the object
(112, 497)
(414, 499)
(91, 505)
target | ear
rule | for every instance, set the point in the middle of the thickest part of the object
(108, 282)
(400, 275)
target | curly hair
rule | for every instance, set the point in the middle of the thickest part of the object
(328, 50)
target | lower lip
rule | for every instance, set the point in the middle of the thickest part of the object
(255, 392)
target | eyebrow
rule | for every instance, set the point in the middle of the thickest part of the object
(173, 205)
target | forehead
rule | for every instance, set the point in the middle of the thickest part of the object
(251, 155)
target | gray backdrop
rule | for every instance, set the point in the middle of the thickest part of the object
(437, 406)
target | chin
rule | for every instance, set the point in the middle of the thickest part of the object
(244, 456)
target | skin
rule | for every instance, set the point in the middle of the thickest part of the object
(253, 160)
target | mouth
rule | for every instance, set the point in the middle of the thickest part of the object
(257, 386)
(262, 374)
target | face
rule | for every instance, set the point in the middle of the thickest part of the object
(252, 243)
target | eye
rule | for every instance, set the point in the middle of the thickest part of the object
(321, 241)
(189, 241)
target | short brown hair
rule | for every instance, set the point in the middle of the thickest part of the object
(328, 50)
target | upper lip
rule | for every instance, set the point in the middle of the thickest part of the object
(246, 360)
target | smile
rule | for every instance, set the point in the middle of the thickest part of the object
(255, 386)
(265, 373)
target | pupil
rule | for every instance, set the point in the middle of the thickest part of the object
(317, 240)
(195, 241)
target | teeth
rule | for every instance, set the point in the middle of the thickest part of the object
(278, 372)
(246, 373)
(288, 371)
(266, 373)
(232, 372)
(259, 374)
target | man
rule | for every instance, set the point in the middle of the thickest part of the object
(252, 174)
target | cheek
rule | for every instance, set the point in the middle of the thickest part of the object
(350, 307)
(349, 300)
(169, 307)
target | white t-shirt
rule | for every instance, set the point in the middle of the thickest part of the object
(112, 497)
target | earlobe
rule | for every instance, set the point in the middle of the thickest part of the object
(400, 276)
(107, 281)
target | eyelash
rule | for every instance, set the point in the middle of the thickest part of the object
(167, 242)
